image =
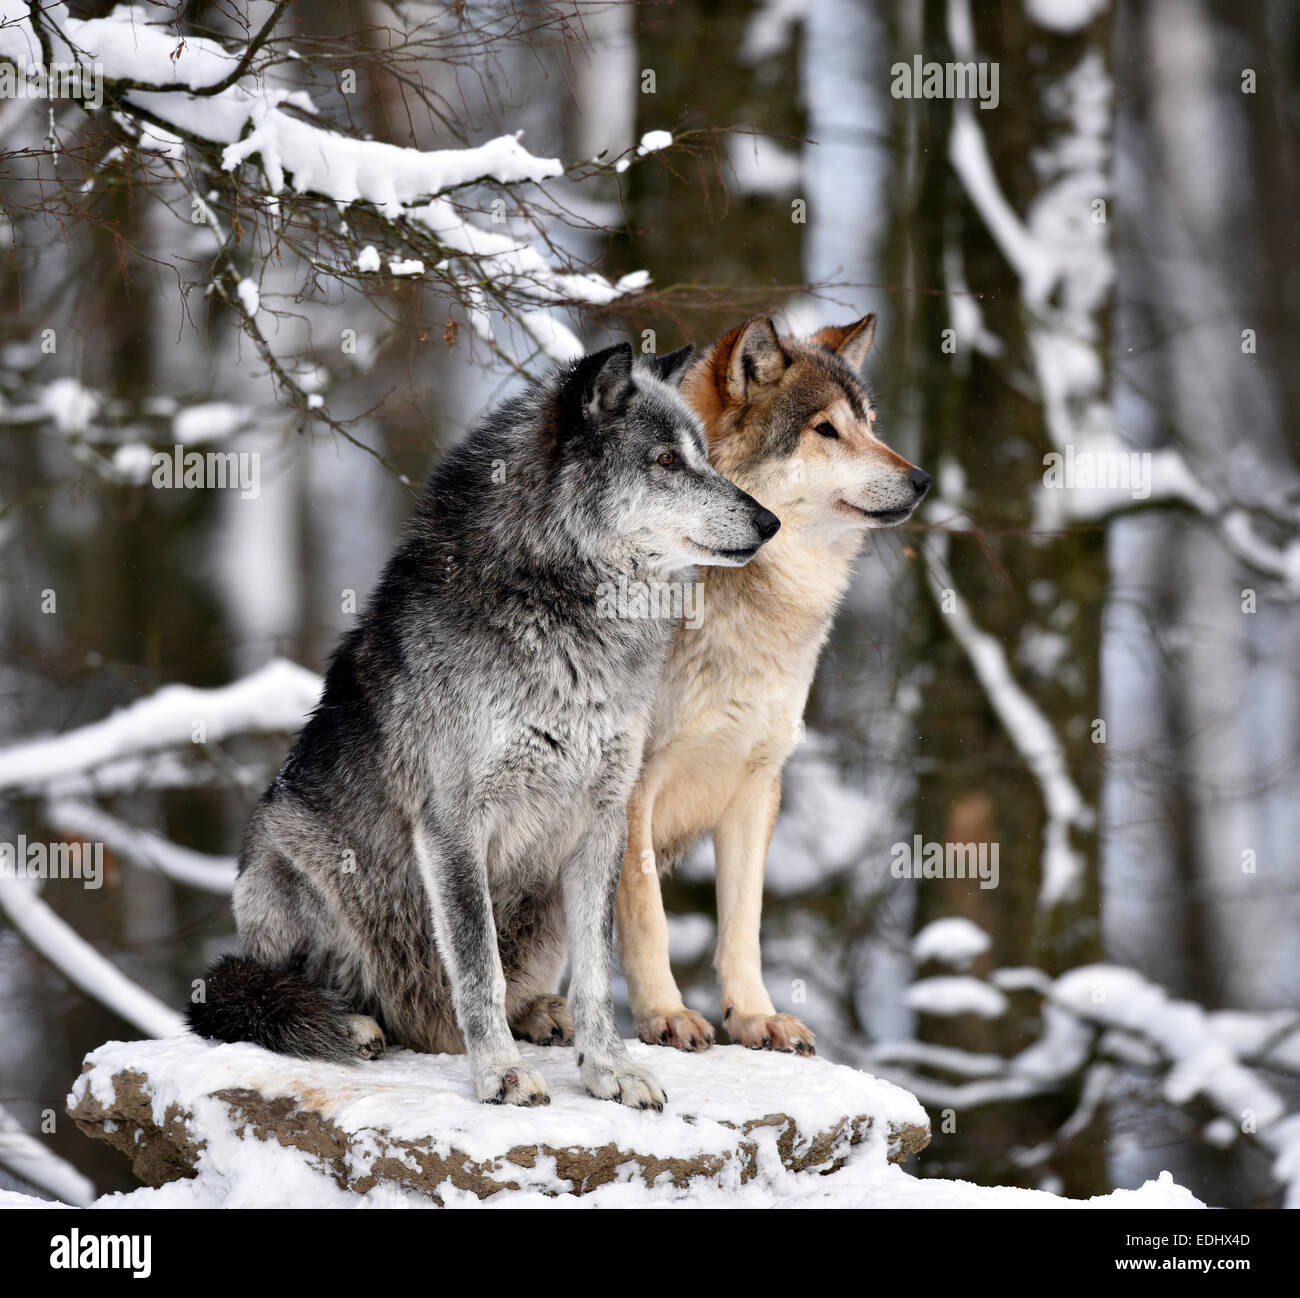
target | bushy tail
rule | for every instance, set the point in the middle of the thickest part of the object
(277, 1009)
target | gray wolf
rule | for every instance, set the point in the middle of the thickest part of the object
(456, 805)
(791, 422)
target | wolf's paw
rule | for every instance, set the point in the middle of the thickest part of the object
(545, 1022)
(622, 1080)
(681, 1028)
(367, 1036)
(510, 1083)
(770, 1032)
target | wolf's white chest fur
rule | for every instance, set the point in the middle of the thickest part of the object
(734, 690)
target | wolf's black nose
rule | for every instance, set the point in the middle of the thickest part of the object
(767, 523)
(920, 481)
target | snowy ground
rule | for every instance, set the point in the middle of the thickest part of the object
(854, 1187)
(411, 1097)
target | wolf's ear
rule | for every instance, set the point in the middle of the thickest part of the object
(748, 358)
(597, 385)
(850, 343)
(672, 368)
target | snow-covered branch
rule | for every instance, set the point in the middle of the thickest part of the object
(274, 699)
(1027, 728)
(1099, 1021)
(27, 1158)
(146, 849)
(227, 139)
(80, 963)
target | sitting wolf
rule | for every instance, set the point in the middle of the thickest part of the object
(456, 803)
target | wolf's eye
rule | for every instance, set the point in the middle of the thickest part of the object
(826, 430)
(667, 459)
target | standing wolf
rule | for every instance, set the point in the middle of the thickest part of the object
(456, 803)
(790, 421)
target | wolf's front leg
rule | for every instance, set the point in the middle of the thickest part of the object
(455, 879)
(657, 1009)
(589, 882)
(740, 842)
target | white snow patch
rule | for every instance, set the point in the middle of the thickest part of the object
(249, 296)
(633, 282)
(212, 421)
(515, 264)
(770, 29)
(956, 995)
(1064, 15)
(762, 166)
(1202, 1063)
(954, 941)
(133, 462)
(653, 141)
(70, 405)
(249, 120)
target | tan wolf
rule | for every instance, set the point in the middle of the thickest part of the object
(792, 424)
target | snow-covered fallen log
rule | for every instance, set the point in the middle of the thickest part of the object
(247, 1126)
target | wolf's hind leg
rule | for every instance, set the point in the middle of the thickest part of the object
(545, 1021)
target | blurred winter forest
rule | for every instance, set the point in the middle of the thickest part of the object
(1102, 681)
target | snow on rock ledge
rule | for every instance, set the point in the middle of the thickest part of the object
(409, 1124)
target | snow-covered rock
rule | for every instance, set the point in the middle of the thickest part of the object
(241, 1127)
